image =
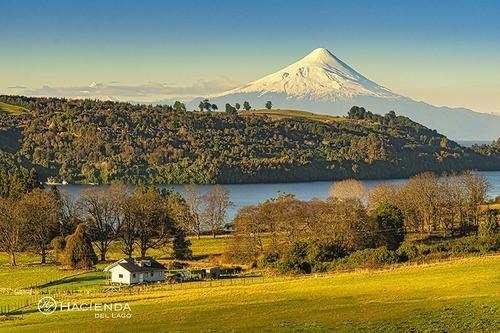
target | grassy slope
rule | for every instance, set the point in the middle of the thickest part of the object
(29, 272)
(12, 109)
(459, 296)
(278, 114)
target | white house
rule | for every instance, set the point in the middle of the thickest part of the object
(135, 270)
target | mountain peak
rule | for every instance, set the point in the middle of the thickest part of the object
(320, 75)
(320, 55)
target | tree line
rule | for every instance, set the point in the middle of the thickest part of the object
(295, 235)
(38, 220)
(88, 141)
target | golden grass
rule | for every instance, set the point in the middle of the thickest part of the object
(463, 295)
(12, 109)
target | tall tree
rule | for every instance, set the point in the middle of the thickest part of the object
(269, 105)
(246, 106)
(201, 105)
(104, 208)
(237, 106)
(476, 187)
(150, 211)
(12, 235)
(349, 189)
(180, 245)
(216, 205)
(194, 204)
(38, 212)
(128, 232)
(390, 222)
(230, 109)
(70, 212)
(179, 106)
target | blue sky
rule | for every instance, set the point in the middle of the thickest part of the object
(442, 52)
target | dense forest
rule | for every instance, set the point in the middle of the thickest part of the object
(91, 141)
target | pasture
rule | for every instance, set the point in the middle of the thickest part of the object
(463, 295)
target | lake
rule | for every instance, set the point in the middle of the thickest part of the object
(251, 194)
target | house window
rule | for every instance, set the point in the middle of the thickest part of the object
(146, 274)
(133, 275)
(120, 275)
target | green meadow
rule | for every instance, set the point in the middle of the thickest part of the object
(29, 273)
(458, 296)
(12, 109)
(279, 114)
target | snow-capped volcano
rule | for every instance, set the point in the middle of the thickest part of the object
(322, 83)
(318, 76)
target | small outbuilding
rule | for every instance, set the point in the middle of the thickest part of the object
(135, 270)
(212, 273)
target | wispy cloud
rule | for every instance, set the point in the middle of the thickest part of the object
(17, 87)
(145, 92)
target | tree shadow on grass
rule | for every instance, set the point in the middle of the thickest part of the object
(80, 279)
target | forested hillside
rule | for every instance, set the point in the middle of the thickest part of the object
(88, 141)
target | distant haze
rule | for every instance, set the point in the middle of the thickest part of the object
(321, 82)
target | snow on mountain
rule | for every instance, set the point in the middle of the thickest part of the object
(319, 76)
(322, 83)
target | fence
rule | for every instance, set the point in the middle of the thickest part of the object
(226, 281)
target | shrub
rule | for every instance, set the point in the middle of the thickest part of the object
(368, 258)
(490, 226)
(309, 255)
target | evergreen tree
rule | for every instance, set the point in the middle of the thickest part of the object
(181, 246)
(390, 222)
(79, 252)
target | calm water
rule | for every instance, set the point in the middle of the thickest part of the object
(251, 194)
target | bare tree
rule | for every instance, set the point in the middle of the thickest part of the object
(476, 186)
(128, 232)
(194, 202)
(38, 212)
(105, 211)
(11, 232)
(349, 189)
(150, 212)
(70, 213)
(216, 205)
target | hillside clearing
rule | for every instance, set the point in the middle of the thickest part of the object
(280, 114)
(12, 109)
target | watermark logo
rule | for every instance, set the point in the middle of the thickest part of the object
(47, 305)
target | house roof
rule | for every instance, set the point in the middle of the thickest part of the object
(135, 264)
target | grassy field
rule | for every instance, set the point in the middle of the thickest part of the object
(279, 114)
(30, 273)
(12, 109)
(461, 296)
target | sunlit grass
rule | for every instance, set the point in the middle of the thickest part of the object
(12, 109)
(459, 296)
(279, 114)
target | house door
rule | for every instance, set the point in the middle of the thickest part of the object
(141, 278)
